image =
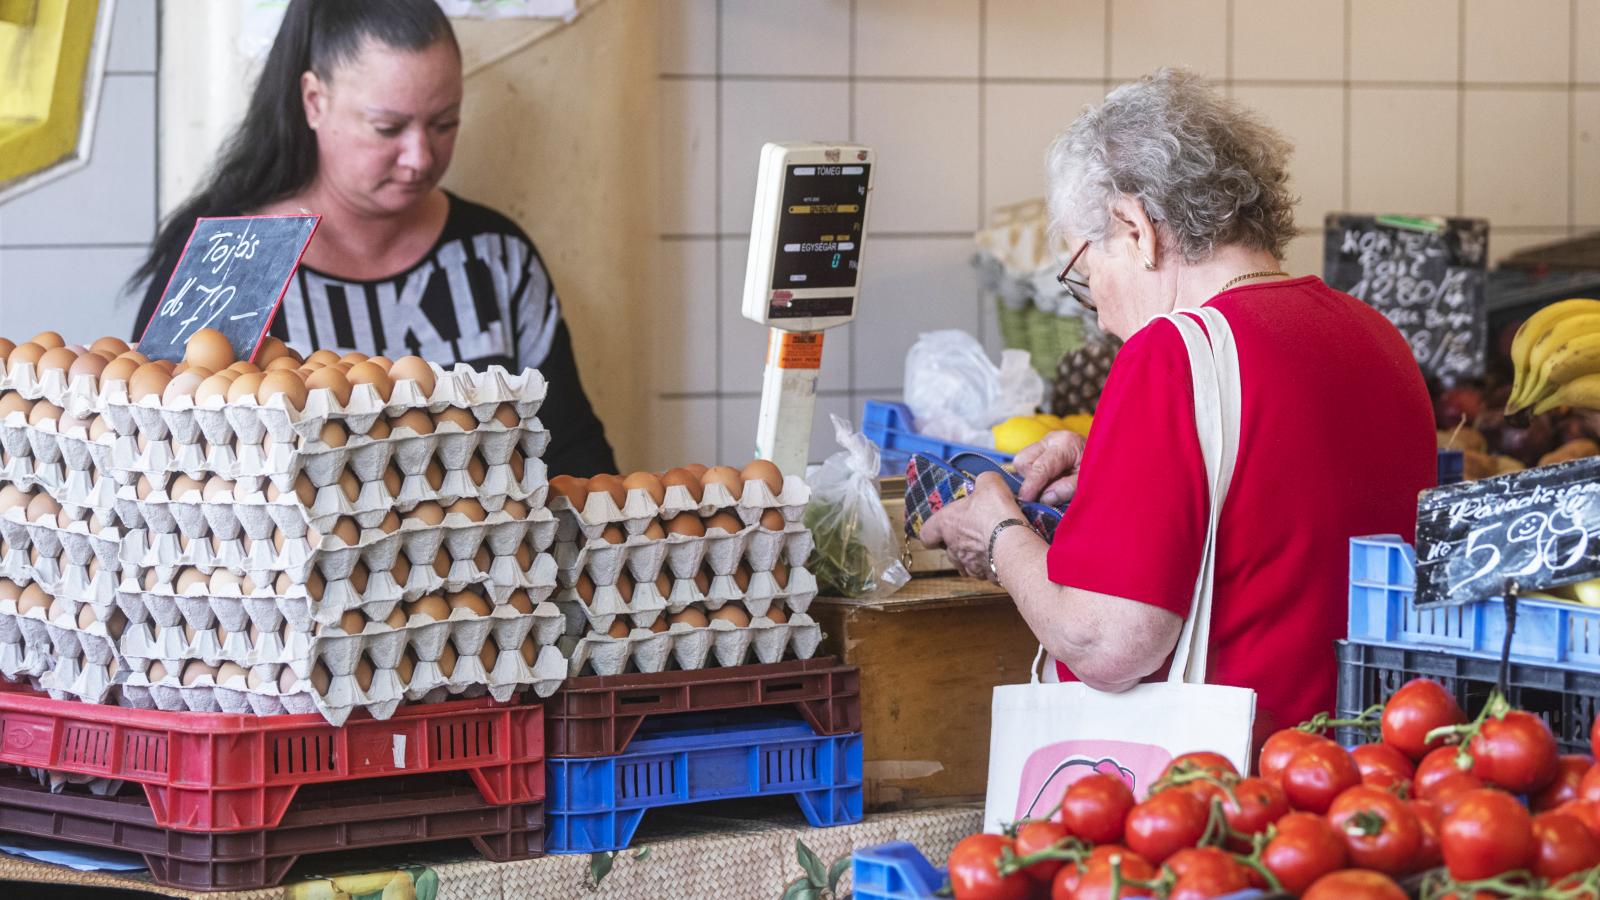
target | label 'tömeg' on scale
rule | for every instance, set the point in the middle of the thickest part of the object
(232, 276)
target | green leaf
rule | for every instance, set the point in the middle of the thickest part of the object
(816, 873)
(836, 871)
(427, 885)
(642, 854)
(799, 889)
(600, 866)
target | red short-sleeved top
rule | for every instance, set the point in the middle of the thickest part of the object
(1336, 439)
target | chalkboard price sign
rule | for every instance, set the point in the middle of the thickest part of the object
(231, 277)
(1425, 274)
(1539, 527)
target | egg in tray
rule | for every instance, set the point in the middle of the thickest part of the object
(690, 568)
(327, 533)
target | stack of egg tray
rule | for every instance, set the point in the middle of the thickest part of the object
(215, 801)
(664, 572)
(270, 538)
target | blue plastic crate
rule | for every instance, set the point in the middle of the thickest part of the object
(1452, 466)
(596, 804)
(1383, 578)
(899, 871)
(891, 427)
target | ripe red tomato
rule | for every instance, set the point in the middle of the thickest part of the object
(975, 876)
(1354, 884)
(1589, 786)
(1205, 872)
(1066, 883)
(1096, 881)
(1379, 829)
(1516, 752)
(1563, 788)
(1435, 767)
(1260, 803)
(1202, 760)
(1095, 806)
(1448, 794)
(1305, 849)
(1277, 749)
(1035, 836)
(1585, 811)
(1373, 759)
(1488, 833)
(1562, 845)
(1165, 824)
(1317, 774)
(1420, 706)
(1429, 820)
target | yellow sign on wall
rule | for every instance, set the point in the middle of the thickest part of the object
(45, 46)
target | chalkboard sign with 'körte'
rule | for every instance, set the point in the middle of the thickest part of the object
(1539, 527)
(231, 277)
(1425, 274)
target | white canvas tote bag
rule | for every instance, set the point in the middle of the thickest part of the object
(1045, 736)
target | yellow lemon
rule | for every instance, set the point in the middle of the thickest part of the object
(1017, 432)
(1078, 422)
(1049, 421)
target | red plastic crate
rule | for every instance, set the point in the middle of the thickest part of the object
(223, 772)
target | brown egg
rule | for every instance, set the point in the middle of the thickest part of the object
(431, 606)
(469, 600)
(434, 475)
(392, 481)
(396, 617)
(43, 411)
(358, 577)
(698, 470)
(390, 523)
(468, 507)
(58, 360)
(609, 484)
(734, 613)
(647, 482)
(624, 587)
(524, 557)
(85, 617)
(406, 667)
(333, 434)
(215, 386)
(727, 476)
(413, 368)
(28, 353)
(482, 559)
(270, 349)
(350, 484)
(97, 429)
(702, 581)
(693, 616)
(447, 660)
(684, 477)
(70, 423)
(354, 358)
(401, 573)
(364, 673)
(347, 531)
(417, 420)
(33, 597)
(284, 382)
(780, 574)
(613, 535)
(42, 506)
(741, 577)
(333, 381)
(6, 347)
(13, 496)
(321, 678)
(516, 509)
(151, 579)
(619, 628)
(352, 622)
(725, 520)
(573, 489)
(585, 588)
(383, 362)
(461, 418)
(529, 651)
(776, 614)
(516, 461)
(148, 380)
(111, 345)
(373, 374)
(155, 672)
(477, 469)
(9, 590)
(322, 358)
(304, 490)
(208, 348)
(166, 365)
(229, 671)
(429, 512)
(772, 520)
(283, 364)
(520, 601)
(245, 367)
(184, 485)
(119, 369)
(185, 385)
(245, 385)
(11, 402)
(441, 565)
(196, 669)
(189, 579)
(764, 471)
(48, 340)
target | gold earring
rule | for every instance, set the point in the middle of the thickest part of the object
(1149, 265)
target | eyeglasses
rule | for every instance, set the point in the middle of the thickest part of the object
(1075, 285)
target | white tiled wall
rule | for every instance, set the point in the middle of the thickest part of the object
(1465, 107)
(67, 248)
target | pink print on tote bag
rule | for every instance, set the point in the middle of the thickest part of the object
(1051, 769)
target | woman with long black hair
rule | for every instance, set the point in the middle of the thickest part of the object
(354, 118)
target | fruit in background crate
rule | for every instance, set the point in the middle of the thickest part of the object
(1580, 448)
(1462, 403)
(1532, 344)
(1018, 432)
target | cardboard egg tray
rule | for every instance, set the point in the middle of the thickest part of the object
(691, 648)
(638, 509)
(72, 544)
(682, 555)
(648, 604)
(67, 661)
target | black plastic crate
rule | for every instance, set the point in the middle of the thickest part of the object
(1369, 673)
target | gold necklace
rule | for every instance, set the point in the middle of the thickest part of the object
(1234, 281)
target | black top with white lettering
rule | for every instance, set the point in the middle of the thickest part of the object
(480, 296)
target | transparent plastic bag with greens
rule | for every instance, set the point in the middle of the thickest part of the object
(855, 552)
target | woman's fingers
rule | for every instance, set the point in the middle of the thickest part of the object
(1059, 491)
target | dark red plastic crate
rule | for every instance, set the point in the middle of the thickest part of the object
(225, 772)
(325, 819)
(598, 715)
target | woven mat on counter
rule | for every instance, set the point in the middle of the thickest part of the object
(730, 851)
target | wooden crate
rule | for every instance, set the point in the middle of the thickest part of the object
(929, 655)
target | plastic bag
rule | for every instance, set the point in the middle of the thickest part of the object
(956, 393)
(854, 553)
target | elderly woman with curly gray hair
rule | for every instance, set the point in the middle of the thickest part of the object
(1173, 202)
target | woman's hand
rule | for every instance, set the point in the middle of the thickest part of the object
(963, 527)
(1049, 468)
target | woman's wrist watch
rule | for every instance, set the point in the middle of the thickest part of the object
(994, 573)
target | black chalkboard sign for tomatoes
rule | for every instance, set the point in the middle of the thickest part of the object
(1539, 527)
(231, 277)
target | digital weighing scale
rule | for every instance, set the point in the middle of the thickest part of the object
(802, 278)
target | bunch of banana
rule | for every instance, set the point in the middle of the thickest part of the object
(1555, 358)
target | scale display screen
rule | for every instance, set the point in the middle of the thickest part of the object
(819, 226)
